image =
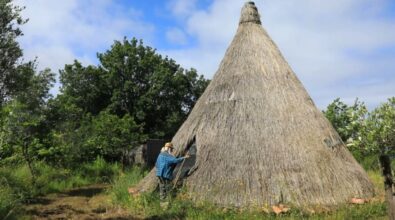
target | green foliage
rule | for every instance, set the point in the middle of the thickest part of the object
(99, 171)
(15, 188)
(105, 135)
(7, 200)
(134, 94)
(16, 185)
(23, 127)
(84, 88)
(10, 53)
(119, 188)
(111, 135)
(18, 179)
(133, 80)
(347, 120)
(23, 92)
(367, 134)
(378, 134)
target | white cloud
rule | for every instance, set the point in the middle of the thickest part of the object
(333, 46)
(324, 41)
(181, 7)
(60, 31)
(55, 57)
(176, 36)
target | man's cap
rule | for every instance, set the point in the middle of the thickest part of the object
(169, 144)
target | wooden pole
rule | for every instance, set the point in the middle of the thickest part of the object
(385, 164)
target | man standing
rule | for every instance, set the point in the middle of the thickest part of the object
(165, 165)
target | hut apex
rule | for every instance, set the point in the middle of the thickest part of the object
(259, 138)
(250, 13)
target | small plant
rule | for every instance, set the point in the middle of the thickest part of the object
(8, 200)
(119, 190)
(99, 171)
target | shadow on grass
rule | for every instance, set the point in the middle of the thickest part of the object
(86, 191)
(167, 216)
(39, 201)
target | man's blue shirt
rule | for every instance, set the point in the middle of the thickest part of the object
(165, 165)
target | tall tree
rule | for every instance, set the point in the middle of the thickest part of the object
(132, 79)
(347, 120)
(155, 90)
(378, 136)
(25, 118)
(84, 87)
(11, 76)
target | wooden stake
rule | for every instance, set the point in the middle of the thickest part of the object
(385, 164)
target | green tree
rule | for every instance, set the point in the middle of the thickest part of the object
(337, 113)
(11, 76)
(132, 79)
(378, 137)
(156, 91)
(134, 94)
(84, 87)
(112, 135)
(378, 133)
(24, 120)
(347, 120)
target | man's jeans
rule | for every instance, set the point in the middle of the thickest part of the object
(164, 188)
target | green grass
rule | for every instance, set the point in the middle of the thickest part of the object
(8, 201)
(99, 171)
(148, 205)
(119, 188)
(17, 186)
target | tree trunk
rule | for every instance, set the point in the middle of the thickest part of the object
(29, 163)
(385, 164)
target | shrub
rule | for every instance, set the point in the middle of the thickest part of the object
(18, 179)
(8, 200)
(99, 171)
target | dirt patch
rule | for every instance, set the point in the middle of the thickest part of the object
(82, 203)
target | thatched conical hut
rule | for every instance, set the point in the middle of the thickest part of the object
(260, 139)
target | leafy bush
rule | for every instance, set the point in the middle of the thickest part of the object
(8, 200)
(18, 179)
(367, 134)
(99, 171)
(15, 187)
(110, 135)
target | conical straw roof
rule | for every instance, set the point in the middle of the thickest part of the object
(260, 139)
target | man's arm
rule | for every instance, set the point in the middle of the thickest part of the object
(175, 160)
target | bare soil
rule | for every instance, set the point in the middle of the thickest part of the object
(81, 203)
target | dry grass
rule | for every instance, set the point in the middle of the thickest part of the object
(260, 138)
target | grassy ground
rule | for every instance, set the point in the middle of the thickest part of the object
(87, 202)
(148, 206)
(18, 188)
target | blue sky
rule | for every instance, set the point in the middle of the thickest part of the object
(343, 48)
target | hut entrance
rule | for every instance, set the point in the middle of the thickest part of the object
(188, 166)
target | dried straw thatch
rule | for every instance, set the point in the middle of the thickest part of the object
(260, 139)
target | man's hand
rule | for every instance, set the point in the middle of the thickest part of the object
(187, 156)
